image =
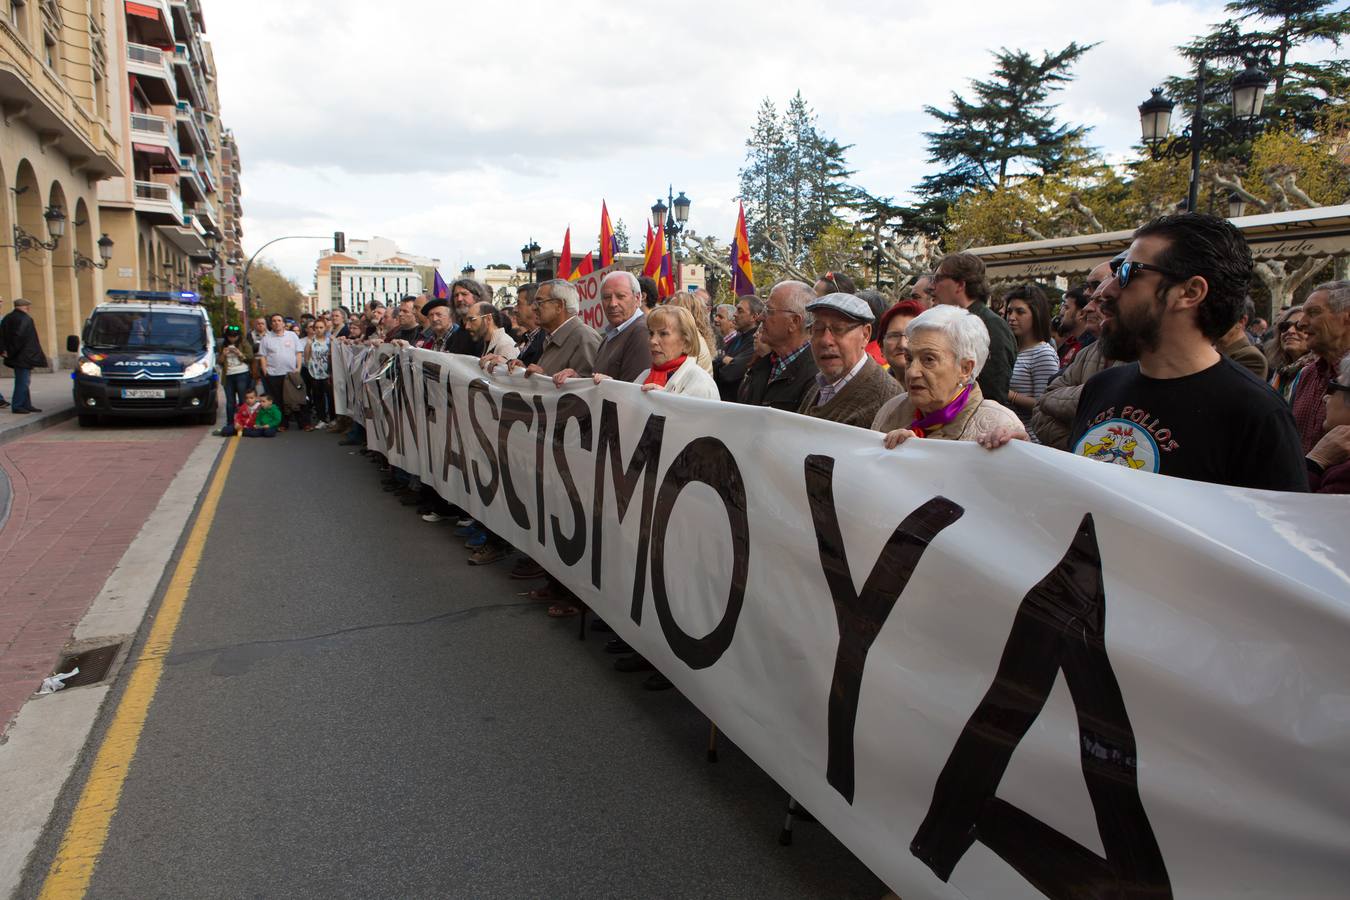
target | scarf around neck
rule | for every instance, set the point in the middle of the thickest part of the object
(939, 417)
(660, 374)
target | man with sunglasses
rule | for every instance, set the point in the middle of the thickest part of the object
(1052, 418)
(1176, 406)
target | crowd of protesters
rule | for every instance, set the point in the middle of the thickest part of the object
(1156, 362)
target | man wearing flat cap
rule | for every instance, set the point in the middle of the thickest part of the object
(850, 387)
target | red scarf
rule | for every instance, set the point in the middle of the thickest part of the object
(659, 375)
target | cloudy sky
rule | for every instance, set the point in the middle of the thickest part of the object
(461, 130)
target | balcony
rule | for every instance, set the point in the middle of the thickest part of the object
(159, 199)
(145, 61)
(206, 212)
(154, 131)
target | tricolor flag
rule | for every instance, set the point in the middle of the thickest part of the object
(609, 243)
(585, 267)
(439, 289)
(651, 258)
(565, 257)
(742, 271)
(665, 285)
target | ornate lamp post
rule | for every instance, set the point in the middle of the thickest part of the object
(56, 227)
(105, 251)
(1248, 90)
(878, 257)
(467, 271)
(675, 214)
(527, 254)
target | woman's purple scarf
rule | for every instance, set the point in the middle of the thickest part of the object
(938, 418)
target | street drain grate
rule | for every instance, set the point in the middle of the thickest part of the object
(93, 665)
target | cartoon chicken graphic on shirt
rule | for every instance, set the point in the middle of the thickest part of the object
(1117, 446)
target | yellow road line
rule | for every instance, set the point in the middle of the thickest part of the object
(74, 864)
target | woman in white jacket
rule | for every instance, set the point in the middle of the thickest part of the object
(674, 344)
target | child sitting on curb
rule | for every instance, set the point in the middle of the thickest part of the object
(244, 415)
(266, 420)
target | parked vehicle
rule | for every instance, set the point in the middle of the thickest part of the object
(145, 353)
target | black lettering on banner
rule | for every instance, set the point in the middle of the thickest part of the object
(706, 460)
(861, 615)
(570, 406)
(454, 440)
(487, 490)
(431, 374)
(540, 433)
(1060, 625)
(646, 455)
(404, 397)
(514, 410)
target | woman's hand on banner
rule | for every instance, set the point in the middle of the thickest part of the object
(997, 437)
(562, 377)
(897, 437)
(600, 376)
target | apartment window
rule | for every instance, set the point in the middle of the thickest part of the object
(51, 35)
(18, 17)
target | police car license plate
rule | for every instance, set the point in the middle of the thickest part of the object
(142, 393)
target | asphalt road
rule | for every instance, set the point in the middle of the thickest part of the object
(349, 710)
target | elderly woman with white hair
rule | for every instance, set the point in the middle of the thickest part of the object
(947, 347)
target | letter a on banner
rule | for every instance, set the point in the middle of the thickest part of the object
(1060, 625)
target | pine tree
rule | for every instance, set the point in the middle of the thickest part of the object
(1008, 130)
(621, 235)
(763, 177)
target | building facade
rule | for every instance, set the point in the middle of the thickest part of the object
(167, 205)
(373, 270)
(57, 144)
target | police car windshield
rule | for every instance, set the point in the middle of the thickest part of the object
(160, 330)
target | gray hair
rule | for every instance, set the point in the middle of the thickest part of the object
(1344, 378)
(796, 295)
(473, 286)
(1338, 294)
(727, 307)
(968, 336)
(633, 284)
(566, 291)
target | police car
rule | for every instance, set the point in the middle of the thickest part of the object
(145, 353)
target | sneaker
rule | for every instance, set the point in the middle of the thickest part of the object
(479, 539)
(466, 528)
(464, 522)
(321, 426)
(4, 404)
(434, 517)
(527, 569)
(488, 554)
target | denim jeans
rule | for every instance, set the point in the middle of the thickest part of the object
(20, 398)
(235, 388)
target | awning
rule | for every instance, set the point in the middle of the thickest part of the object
(143, 10)
(170, 161)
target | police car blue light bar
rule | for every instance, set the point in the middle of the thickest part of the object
(153, 296)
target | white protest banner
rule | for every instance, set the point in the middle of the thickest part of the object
(1008, 674)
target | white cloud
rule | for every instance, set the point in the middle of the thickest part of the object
(462, 130)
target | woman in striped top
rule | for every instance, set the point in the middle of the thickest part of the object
(1028, 313)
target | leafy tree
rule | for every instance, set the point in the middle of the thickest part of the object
(621, 235)
(220, 309)
(1006, 131)
(272, 291)
(1269, 31)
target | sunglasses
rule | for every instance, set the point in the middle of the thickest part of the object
(1336, 387)
(1285, 326)
(1125, 269)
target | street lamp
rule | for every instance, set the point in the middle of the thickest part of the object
(1248, 90)
(105, 250)
(675, 215)
(1236, 205)
(467, 271)
(527, 254)
(56, 227)
(878, 256)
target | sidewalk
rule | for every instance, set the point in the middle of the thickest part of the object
(79, 497)
(51, 393)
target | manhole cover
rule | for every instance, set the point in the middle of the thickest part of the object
(93, 665)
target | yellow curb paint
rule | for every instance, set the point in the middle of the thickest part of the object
(83, 841)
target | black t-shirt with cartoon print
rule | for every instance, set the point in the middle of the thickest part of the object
(1221, 425)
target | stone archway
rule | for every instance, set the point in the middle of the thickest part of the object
(86, 290)
(8, 272)
(35, 269)
(65, 291)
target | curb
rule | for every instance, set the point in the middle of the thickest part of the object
(37, 423)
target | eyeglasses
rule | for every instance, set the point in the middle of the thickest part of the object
(769, 310)
(1125, 270)
(1303, 327)
(1285, 326)
(1335, 387)
(819, 329)
(540, 301)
